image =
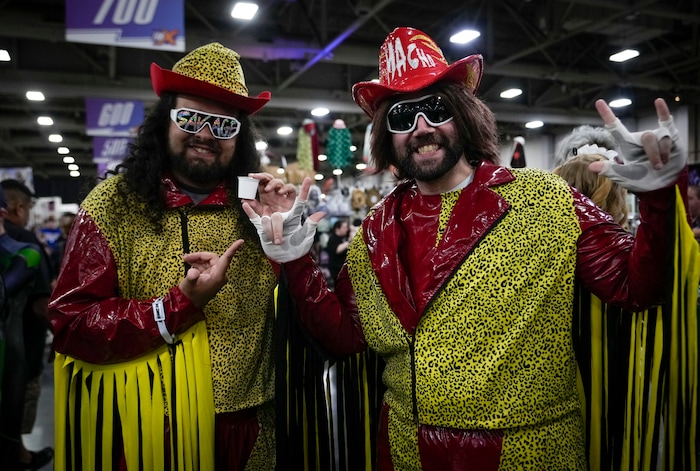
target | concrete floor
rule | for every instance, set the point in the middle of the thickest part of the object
(42, 434)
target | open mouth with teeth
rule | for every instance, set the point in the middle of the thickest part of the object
(428, 148)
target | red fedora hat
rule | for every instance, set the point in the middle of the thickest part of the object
(409, 60)
(210, 71)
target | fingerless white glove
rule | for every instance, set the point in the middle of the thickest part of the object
(636, 172)
(297, 239)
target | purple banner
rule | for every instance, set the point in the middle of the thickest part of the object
(108, 152)
(113, 148)
(113, 117)
(144, 24)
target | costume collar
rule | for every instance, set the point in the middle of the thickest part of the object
(175, 198)
(476, 211)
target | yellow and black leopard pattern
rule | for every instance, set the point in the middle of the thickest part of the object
(493, 350)
(239, 319)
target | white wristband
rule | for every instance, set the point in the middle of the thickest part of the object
(159, 317)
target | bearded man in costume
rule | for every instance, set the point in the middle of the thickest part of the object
(165, 357)
(462, 278)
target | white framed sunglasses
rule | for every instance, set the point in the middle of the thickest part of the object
(402, 117)
(192, 121)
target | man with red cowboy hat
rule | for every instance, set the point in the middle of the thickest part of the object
(462, 278)
(164, 356)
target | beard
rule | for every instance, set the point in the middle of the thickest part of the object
(197, 170)
(428, 171)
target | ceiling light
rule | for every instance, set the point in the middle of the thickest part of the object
(68, 159)
(55, 138)
(625, 55)
(534, 124)
(353, 148)
(361, 166)
(511, 93)
(322, 157)
(284, 130)
(244, 10)
(280, 170)
(74, 173)
(33, 95)
(464, 36)
(4, 55)
(63, 150)
(72, 167)
(620, 103)
(44, 121)
(337, 171)
(261, 145)
(318, 176)
(320, 111)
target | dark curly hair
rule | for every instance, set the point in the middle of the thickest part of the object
(148, 160)
(475, 123)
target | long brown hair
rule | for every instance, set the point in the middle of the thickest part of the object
(606, 194)
(474, 121)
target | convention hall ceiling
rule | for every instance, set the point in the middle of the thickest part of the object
(308, 53)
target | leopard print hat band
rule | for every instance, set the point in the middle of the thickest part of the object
(210, 71)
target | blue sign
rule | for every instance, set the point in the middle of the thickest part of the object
(144, 24)
(113, 117)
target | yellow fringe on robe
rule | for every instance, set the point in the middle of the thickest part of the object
(638, 371)
(171, 385)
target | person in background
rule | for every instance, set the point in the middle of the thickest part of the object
(580, 148)
(64, 223)
(35, 314)
(50, 232)
(462, 277)
(191, 334)
(337, 246)
(694, 209)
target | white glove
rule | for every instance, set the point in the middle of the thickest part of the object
(297, 239)
(636, 172)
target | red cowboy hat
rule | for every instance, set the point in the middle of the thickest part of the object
(410, 60)
(210, 71)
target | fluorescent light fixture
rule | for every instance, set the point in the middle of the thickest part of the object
(322, 157)
(320, 111)
(625, 55)
(68, 159)
(337, 171)
(284, 130)
(55, 138)
(44, 121)
(74, 173)
(244, 10)
(4, 55)
(63, 150)
(464, 36)
(33, 95)
(620, 103)
(72, 167)
(534, 124)
(511, 93)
